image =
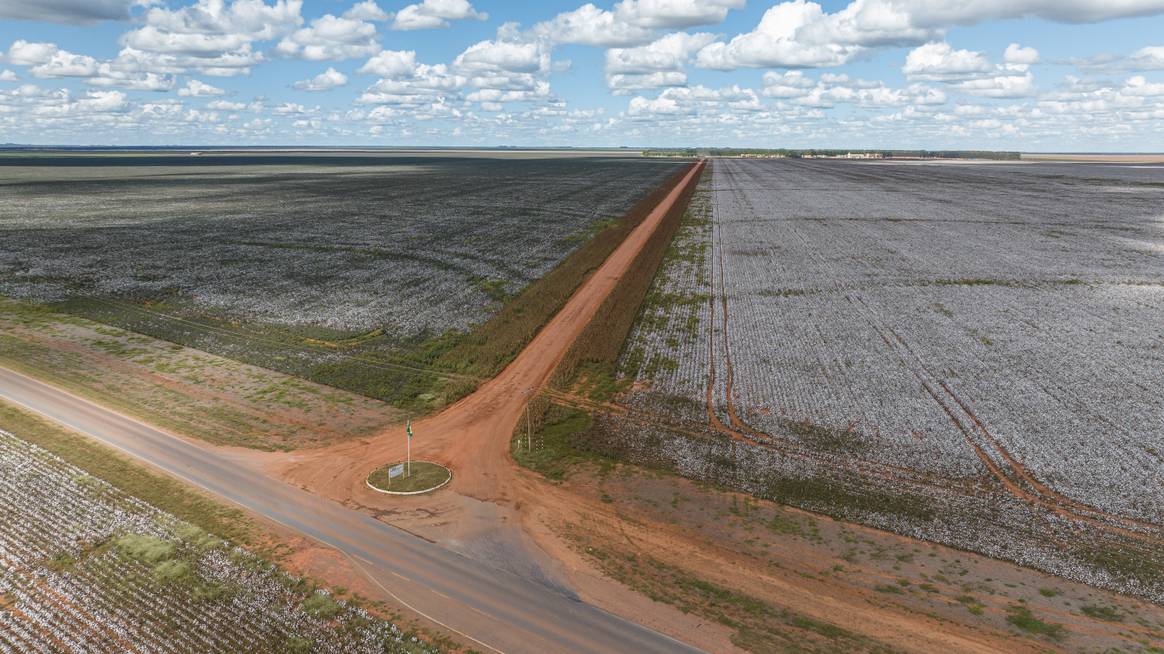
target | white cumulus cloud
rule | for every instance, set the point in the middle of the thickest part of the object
(329, 38)
(435, 14)
(1149, 58)
(213, 37)
(325, 81)
(48, 60)
(676, 14)
(390, 64)
(671, 52)
(801, 34)
(198, 89)
(1018, 55)
(367, 10)
(941, 62)
(589, 25)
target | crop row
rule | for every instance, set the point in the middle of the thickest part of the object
(951, 329)
(412, 249)
(87, 568)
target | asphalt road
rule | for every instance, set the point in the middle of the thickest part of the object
(499, 610)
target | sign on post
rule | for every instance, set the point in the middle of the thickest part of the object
(396, 471)
(408, 428)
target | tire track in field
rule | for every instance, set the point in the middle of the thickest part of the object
(1021, 482)
(740, 431)
(1027, 487)
(1038, 492)
(788, 448)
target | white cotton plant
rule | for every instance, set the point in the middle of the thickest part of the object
(71, 585)
(910, 328)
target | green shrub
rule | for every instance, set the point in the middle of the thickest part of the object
(321, 606)
(145, 548)
(1022, 618)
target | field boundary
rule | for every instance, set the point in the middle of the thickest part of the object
(604, 336)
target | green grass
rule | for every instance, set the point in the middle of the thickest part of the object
(70, 352)
(145, 548)
(828, 496)
(421, 476)
(1021, 618)
(1108, 613)
(975, 281)
(321, 606)
(553, 450)
(972, 604)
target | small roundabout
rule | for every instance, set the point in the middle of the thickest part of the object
(415, 478)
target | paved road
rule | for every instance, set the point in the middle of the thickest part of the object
(499, 610)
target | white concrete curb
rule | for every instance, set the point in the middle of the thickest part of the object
(368, 483)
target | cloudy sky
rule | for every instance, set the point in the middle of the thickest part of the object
(1051, 75)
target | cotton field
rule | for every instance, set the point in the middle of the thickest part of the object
(938, 328)
(87, 568)
(408, 244)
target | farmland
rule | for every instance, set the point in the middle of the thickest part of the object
(187, 391)
(357, 271)
(87, 567)
(965, 353)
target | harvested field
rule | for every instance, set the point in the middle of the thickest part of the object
(969, 354)
(87, 568)
(307, 263)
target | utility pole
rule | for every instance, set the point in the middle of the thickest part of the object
(528, 430)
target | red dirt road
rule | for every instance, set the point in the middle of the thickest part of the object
(492, 505)
(491, 513)
(529, 611)
(472, 436)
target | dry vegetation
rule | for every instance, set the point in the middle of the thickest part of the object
(194, 393)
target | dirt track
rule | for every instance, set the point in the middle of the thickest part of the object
(496, 513)
(472, 436)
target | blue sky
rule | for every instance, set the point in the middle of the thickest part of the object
(1049, 75)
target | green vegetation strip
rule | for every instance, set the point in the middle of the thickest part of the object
(422, 374)
(422, 477)
(489, 347)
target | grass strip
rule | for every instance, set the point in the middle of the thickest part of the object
(161, 491)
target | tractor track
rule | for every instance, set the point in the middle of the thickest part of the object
(1013, 476)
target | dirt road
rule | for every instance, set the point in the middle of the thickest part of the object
(501, 607)
(499, 610)
(472, 436)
